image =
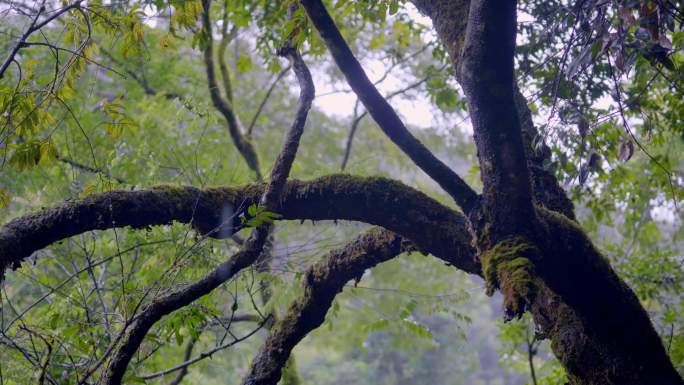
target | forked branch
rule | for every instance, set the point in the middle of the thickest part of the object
(382, 112)
(251, 249)
(486, 73)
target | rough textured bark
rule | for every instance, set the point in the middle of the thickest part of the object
(536, 255)
(486, 74)
(322, 282)
(433, 227)
(598, 328)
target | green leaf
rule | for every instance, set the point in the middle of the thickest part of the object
(55, 321)
(4, 198)
(132, 378)
(379, 325)
(417, 329)
(393, 7)
(244, 63)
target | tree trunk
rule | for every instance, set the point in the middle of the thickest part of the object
(598, 329)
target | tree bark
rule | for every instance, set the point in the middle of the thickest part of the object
(433, 227)
(597, 326)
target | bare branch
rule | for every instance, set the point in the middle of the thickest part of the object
(182, 372)
(170, 303)
(242, 143)
(382, 112)
(189, 361)
(252, 247)
(89, 169)
(270, 90)
(226, 38)
(35, 26)
(359, 117)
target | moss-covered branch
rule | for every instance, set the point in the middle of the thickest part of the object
(433, 227)
(322, 282)
(618, 332)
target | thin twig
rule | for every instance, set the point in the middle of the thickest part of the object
(206, 354)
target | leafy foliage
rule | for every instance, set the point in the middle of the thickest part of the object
(116, 97)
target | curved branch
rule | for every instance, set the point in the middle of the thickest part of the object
(170, 303)
(382, 112)
(433, 227)
(322, 282)
(226, 38)
(450, 19)
(243, 145)
(251, 250)
(599, 331)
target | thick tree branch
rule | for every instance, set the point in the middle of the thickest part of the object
(322, 282)
(450, 18)
(617, 332)
(598, 328)
(487, 75)
(433, 227)
(283, 163)
(382, 112)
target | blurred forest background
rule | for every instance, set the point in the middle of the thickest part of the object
(114, 95)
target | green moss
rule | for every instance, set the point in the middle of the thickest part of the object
(171, 188)
(561, 220)
(508, 266)
(290, 374)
